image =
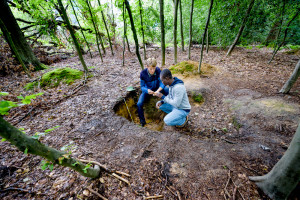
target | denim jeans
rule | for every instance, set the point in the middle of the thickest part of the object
(143, 97)
(175, 116)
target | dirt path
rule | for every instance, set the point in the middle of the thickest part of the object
(242, 115)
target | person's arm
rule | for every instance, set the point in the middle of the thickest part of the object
(144, 86)
(179, 92)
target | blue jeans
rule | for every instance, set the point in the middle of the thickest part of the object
(175, 116)
(142, 99)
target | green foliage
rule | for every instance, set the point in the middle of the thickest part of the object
(46, 164)
(31, 86)
(197, 97)
(184, 66)
(69, 147)
(86, 167)
(27, 99)
(38, 135)
(65, 75)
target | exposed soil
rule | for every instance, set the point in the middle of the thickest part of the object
(242, 129)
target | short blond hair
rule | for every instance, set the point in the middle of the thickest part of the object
(151, 62)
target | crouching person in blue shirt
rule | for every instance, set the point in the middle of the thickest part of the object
(176, 103)
(150, 85)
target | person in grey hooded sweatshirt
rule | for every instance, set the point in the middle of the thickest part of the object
(176, 103)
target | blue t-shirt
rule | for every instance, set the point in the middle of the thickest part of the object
(149, 81)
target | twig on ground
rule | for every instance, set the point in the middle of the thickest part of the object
(251, 169)
(178, 195)
(120, 178)
(230, 142)
(28, 113)
(21, 190)
(154, 197)
(206, 196)
(237, 187)
(96, 193)
(122, 173)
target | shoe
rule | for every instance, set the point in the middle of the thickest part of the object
(143, 124)
(184, 124)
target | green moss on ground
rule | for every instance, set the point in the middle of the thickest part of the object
(197, 97)
(64, 75)
(191, 67)
(31, 86)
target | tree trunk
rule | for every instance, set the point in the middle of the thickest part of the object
(203, 37)
(104, 21)
(142, 25)
(113, 19)
(285, 175)
(241, 28)
(124, 46)
(13, 47)
(207, 41)
(175, 30)
(191, 29)
(162, 28)
(33, 146)
(181, 27)
(285, 35)
(95, 28)
(21, 46)
(87, 44)
(77, 46)
(128, 46)
(134, 34)
(289, 84)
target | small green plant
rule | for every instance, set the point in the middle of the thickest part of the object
(197, 97)
(46, 164)
(86, 167)
(31, 86)
(236, 124)
(69, 147)
(38, 135)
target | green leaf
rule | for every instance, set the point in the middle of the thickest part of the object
(51, 166)
(26, 151)
(3, 140)
(51, 129)
(20, 97)
(5, 106)
(4, 94)
(27, 99)
(130, 88)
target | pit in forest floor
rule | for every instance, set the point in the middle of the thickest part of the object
(127, 108)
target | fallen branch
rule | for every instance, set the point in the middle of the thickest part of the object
(230, 142)
(154, 197)
(120, 178)
(96, 193)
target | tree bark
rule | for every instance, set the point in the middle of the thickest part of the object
(175, 30)
(124, 46)
(21, 46)
(104, 21)
(241, 28)
(181, 27)
(285, 175)
(285, 35)
(191, 29)
(87, 44)
(289, 84)
(134, 34)
(77, 46)
(33, 146)
(162, 28)
(203, 37)
(142, 25)
(207, 41)
(95, 28)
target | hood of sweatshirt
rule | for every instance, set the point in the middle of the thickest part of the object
(176, 81)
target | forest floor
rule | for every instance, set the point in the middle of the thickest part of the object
(242, 129)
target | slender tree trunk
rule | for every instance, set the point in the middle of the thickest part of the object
(77, 46)
(162, 28)
(95, 28)
(128, 46)
(107, 31)
(113, 19)
(175, 30)
(203, 37)
(181, 27)
(134, 34)
(191, 29)
(33, 146)
(207, 41)
(21, 46)
(124, 46)
(241, 28)
(87, 44)
(285, 175)
(289, 84)
(13, 47)
(142, 25)
(285, 35)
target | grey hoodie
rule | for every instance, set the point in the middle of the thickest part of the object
(177, 96)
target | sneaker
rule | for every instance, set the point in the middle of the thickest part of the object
(184, 124)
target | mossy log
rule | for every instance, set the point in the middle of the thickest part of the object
(35, 147)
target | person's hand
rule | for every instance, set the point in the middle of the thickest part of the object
(158, 104)
(150, 91)
(158, 94)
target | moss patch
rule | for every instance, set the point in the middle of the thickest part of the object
(191, 67)
(65, 75)
(31, 86)
(197, 97)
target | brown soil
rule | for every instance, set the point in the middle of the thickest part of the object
(242, 113)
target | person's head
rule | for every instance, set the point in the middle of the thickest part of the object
(151, 65)
(166, 77)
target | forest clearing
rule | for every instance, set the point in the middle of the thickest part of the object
(78, 113)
